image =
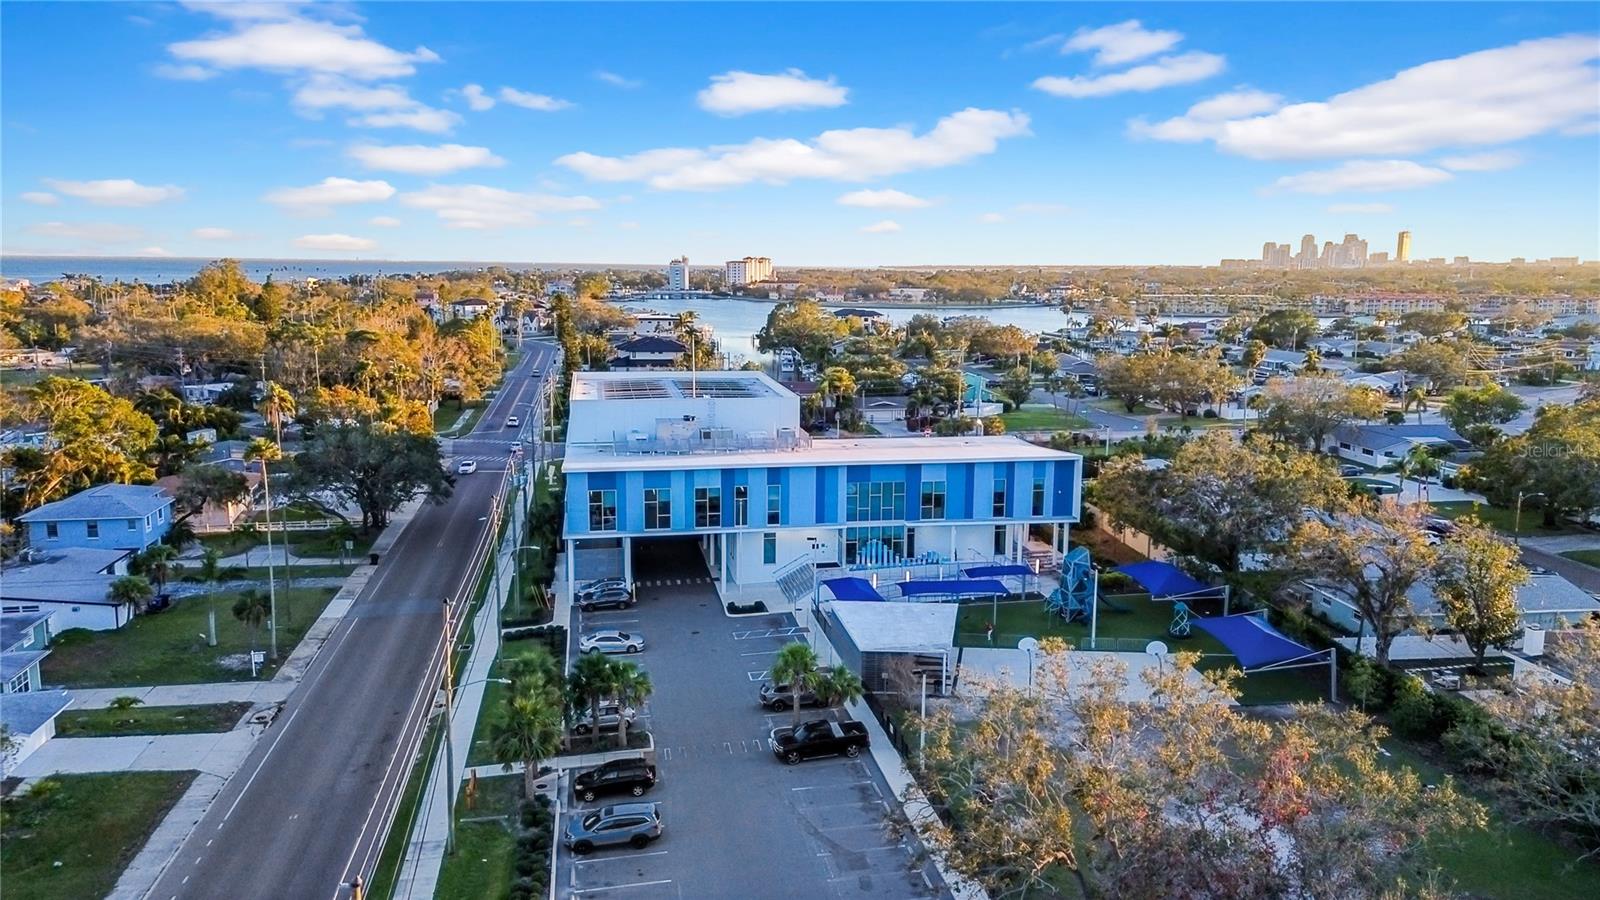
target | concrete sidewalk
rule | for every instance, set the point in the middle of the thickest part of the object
(213, 754)
(425, 851)
(185, 694)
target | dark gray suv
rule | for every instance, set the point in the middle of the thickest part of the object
(633, 824)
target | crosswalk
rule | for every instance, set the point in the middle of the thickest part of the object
(670, 582)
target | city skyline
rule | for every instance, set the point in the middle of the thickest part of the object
(1084, 134)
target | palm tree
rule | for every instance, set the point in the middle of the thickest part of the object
(264, 451)
(837, 383)
(276, 405)
(157, 561)
(593, 678)
(134, 589)
(839, 685)
(252, 608)
(631, 686)
(1417, 397)
(210, 572)
(796, 665)
(1417, 461)
(529, 729)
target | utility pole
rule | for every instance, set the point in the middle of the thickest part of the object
(272, 582)
(449, 748)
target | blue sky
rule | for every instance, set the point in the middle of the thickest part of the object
(824, 134)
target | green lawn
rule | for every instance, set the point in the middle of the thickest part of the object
(309, 570)
(321, 544)
(1506, 860)
(170, 647)
(1113, 405)
(207, 718)
(449, 412)
(485, 862)
(74, 842)
(1042, 418)
(1500, 518)
(1587, 557)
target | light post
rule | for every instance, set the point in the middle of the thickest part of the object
(516, 571)
(1107, 430)
(1028, 645)
(449, 735)
(1516, 529)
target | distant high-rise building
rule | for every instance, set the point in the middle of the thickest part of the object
(1307, 259)
(1378, 259)
(678, 274)
(1402, 247)
(1460, 261)
(1267, 251)
(1330, 255)
(751, 269)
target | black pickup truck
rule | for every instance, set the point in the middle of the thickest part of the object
(819, 737)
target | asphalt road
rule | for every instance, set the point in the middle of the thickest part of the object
(739, 823)
(307, 810)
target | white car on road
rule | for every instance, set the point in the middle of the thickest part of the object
(467, 467)
(611, 640)
(513, 421)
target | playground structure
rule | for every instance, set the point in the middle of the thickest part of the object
(1075, 597)
(1180, 627)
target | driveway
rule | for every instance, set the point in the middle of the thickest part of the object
(739, 824)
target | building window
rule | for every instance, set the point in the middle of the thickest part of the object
(708, 507)
(933, 499)
(1001, 540)
(657, 508)
(769, 549)
(874, 501)
(999, 498)
(52, 530)
(602, 510)
(874, 544)
(20, 684)
(741, 506)
(92, 529)
(1038, 497)
(774, 504)
(133, 524)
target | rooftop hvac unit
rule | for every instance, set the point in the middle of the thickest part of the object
(1533, 641)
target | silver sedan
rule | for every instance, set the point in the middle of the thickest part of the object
(611, 641)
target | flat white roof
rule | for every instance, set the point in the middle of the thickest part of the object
(890, 627)
(859, 451)
(674, 385)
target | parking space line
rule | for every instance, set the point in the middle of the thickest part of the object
(759, 653)
(865, 849)
(757, 676)
(815, 787)
(618, 887)
(619, 856)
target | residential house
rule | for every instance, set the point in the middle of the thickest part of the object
(468, 308)
(1547, 600)
(27, 711)
(1394, 383)
(648, 353)
(1382, 444)
(71, 582)
(204, 394)
(112, 516)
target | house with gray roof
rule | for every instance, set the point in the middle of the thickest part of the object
(115, 516)
(1547, 600)
(70, 582)
(26, 709)
(1382, 444)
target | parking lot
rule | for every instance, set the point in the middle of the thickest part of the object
(738, 823)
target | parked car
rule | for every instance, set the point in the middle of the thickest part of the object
(615, 598)
(1348, 471)
(513, 421)
(611, 715)
(611, 640)
(599, 584)
(778, 697)
(1439, 525)
(619, 776)
(467, 467)
(158, 603)
(819, 737)
(633, 824)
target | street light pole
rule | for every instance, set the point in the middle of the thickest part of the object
(449, 747)
(1516, 529)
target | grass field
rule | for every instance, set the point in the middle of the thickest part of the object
(1587, 557)
(207, 718)
(1042, 418)
(449, 412)
(74, 841)
(170, 647)
(485, 862)
(325, 544)
(1500, 518)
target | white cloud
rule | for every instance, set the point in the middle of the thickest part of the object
(616, 80)
(1362, 175)
(1205, 120)
(1361, 209)
(385, 222)
(855, 154)
(1483, 162)
(215, 234)
(299, 45)
(1487, 97)
(477, 206)
(527, 100)
(1183, 68)
(334, 242)
(736, 93)
(153, 251)
(1121, 43)
(320, 198)
(884, 199)
(116, 191)
(381, 106)
(418, 159)
(476, 98)
(186, 72)
(40, 198)
(991, 218)
(89, 232)
(887, 226)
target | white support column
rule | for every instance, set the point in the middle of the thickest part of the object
(722, 539)
(571, 585)
(627, 560)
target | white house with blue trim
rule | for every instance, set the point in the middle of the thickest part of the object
(720, 457)
(27, 711)
(106, 516)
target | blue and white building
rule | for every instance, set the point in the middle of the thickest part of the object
(721, 458)
(106, 516)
